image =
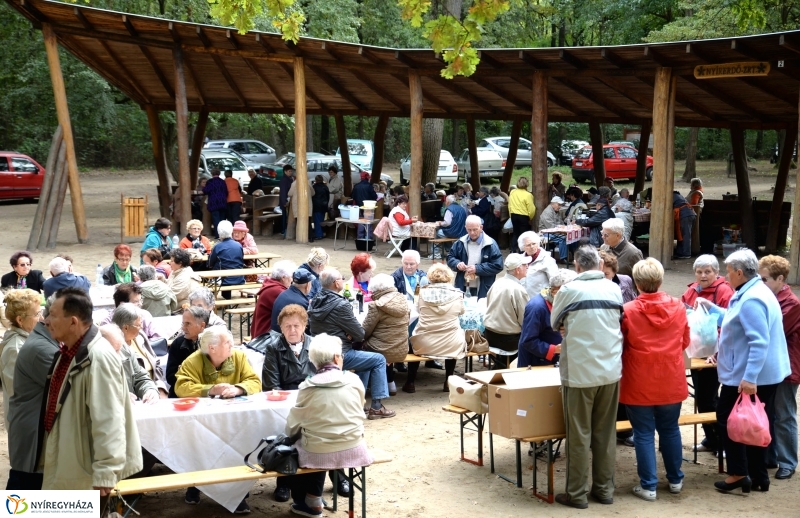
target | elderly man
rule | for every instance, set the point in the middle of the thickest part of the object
(614, 241)
(195, 321)
(429, 192)
(589, 308)
(204, 298)
(255, 182)
(91, 440)
(542, 266)
(227, 255)
(330, 313)
(550, 216)
(138, 380)
(476, 259)
(453, 224)
(62, 277)
(217, 202)
(335, 187)
(278, 281)
(132, 292)
(297, 293)
(505, 307)
(684, 216)
(409, 277)
(603, 213)
(157, 298)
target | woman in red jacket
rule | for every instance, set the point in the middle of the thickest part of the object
(711, 286)
(653, 385)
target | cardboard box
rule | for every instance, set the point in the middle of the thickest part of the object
(526, 403)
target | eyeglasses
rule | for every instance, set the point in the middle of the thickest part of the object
(23, 264)
(764, 279)
(135, 326)
(37, 314)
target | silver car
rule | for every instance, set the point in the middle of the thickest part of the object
(253, 150)
(490, 164)
(447, 172)
(501, 145)
(210, 160)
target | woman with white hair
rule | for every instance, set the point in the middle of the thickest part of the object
(157, 298)
(316, 261)
(227, 255)
(128, 317)
(539, 343)
(542, 265)
(386, 324)
(329, 420)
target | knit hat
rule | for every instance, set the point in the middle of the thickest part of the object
(365, 175)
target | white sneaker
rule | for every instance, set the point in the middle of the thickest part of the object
(675, 488)
(701, 447)
(644, 494)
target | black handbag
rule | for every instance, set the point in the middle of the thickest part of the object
(278, 455)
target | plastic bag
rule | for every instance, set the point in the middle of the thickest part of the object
(703, 335)
(748, 422)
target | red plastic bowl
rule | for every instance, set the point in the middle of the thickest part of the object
(280, 396)
(185, 403)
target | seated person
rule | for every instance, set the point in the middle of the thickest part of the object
(242, 235)
(182, 281)
(362, 267)
(614, 241)
(23, 277)
(452, 226)
(540, 344)
(129, 320)
(216, 370)
(195, 321)
(121, 269)
(158, 238)
(132, 292)
(203, 298)
(505, 311)
(227, 255)
(194, 240)
(400, 223)
(154, 258)
(329, 416)
(62, 277)
(297, 293)
(409, 278)
(140, 385)
(278, 281)
(330, 313)
(157, 298)
(316, 261)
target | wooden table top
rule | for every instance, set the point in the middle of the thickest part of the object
(213, 274)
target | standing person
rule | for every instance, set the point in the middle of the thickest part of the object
(614, 241)
(23, 277)
(90, 432)
(752, 360)
(234, 196)
(782, 452)
(557, 187)
(294, 201)
(653, 385)
(363, 190)
(255, 183)
(589, 308)
(505, 307)
(542, 266)
(283, 197)
(217, 192)
(696, 192)
(539, 344)
(452, 226)
(521, 209)
(476, 259)
(227, 255)
(158, 238)
(684, 217)
(335, 188)
(320, 201)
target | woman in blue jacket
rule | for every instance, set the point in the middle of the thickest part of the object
(158, 238)
(540, 344)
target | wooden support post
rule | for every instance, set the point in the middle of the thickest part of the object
(511, 161)
(341, 137)
(62, 110)
(539, 144)
(50, 172)
(57, 203)
(59, 172)
(743, 187)
(182, 125)
(794, 253)
(164, 191)
(661, 220)
(780, 190)
(641, 157)
(415, 182)
(598, 157)
(301, 163)
(474, 168)
(380, 145)
(197, 145)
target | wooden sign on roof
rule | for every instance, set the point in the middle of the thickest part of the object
(750, 68)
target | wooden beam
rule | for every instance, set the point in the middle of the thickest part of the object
(598, 156)
(642, 100)
(222, 68)
(265, 44)
(527, 58)
(641, 157)
(784, 163)
(182, 129)
(336, 87)
(402, 58)
(380, 144)
(465, 94)
(301, 162)
(743, 187)
(341, 137)
(37, 227)
(511, 160)
(231, 37)
(118, 63)
(505, 94)
(472, 146)
(686, 101)
(148, 56)
(385, 94)
(593, 97)
(62, 111)
(34, 13)
(58, 191)
(432, 98)
(661, 222)
(265, 81)
(197, 146)
(615, 60)
(156, 139)
(794, 251)
(369, 56)
(571, 59)
(539, 144)
(415, 182)
(743, 49)
(489, 60)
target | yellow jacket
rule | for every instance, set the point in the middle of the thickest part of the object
(197, 375)
(520, 202)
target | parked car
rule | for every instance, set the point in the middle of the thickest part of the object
(253, 150)
(568, 150)
(620, 162)
(446, 174)
(362, 153)
(223, 161)
(20, 176)
(501, 145)
(317, 163)
(490, 164)
(625, 143)
(257, 167)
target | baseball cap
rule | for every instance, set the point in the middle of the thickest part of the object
(514, 261)
(557, 199)
(302, 276)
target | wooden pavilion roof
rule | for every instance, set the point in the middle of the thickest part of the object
(253, 73)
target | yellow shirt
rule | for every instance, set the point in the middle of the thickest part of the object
(197, 375)
(520, 202)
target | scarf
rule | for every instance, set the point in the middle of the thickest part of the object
(296, 348)
(328, 367)
(122, 275)
(197, 243)
(22, 282)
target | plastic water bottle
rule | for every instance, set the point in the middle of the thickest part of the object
(99, 275)
(175, 241)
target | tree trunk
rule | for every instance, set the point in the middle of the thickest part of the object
(455, 144)
(431, 147)
(691, 156)
(759, 142)
(360, 128)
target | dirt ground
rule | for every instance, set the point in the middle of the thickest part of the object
(426, 477)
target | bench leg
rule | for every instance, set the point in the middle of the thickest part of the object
(358, 480)
(550, 496)
(478, 421)
(491, 453)
(518, 455)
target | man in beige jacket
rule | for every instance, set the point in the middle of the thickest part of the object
(505, 305)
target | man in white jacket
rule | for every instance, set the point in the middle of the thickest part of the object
(505, 307)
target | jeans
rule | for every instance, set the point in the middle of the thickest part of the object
(318, 217)
(371, 368)
(561, 241)
(684, 248)
(234, 211)
(706, 394)
(645, 420)
(216, 217)
(783, 449)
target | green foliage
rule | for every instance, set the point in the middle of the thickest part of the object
(243, 14)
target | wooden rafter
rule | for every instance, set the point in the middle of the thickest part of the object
(686, 101)
(149, 57)
(336, 87)
(465, 94)
(290, 70)
(592, 97)
(742, 48)
(366, 54)
(385, 94)
(614, 59)
(189, 70)
(568, 57)
(223, 69)
(430, 97)
(265, 81)
(644, 101)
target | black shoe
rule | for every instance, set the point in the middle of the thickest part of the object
(745, 483)
(281, 494)
(242, 508)
(784, 473)
(192, 496)
(344, 487)
(563, 499)
(434, 365)
(400, 367)
(604, 501)
(762, 486)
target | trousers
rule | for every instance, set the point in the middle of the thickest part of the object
(706, 394)
(783, 450)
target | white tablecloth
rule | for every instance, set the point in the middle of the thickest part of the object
(214, 434)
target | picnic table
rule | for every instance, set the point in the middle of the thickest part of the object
(572, 233)
(212, 278)
(339, 221)
(261, 259)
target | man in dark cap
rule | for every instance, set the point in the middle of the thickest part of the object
(296, 294)
(283, 197)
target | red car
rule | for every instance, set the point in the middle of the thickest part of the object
(20, 176)
(620, 163)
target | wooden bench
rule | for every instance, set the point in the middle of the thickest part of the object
(413, 358)
(466, 418)
(356, 477)
(443, 241)
(244, 314)
(259, 207)
(246, 286)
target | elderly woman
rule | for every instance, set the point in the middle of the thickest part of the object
(182, 281)
(154, 258)
(655, 332)
(216, 370)
(362, 266)
(610, 269)
(158, 237)
(409, 278)
(539, 344)
(752, 360)
(227, 255)
(193, 240)
(23, 311)
(400, 223)
(120, 270)
(709, 285)
(329, 418)
(140, 384)
(386, 324)
(242, 235)
(521, 209)
(128, 318)
(204, 298)
(157, 298)
(195, 321)
(541, 267)
(22, 277)
(316, 261)
(438, 333)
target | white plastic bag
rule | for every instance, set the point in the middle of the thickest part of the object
(703, 336)
(508, 227)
